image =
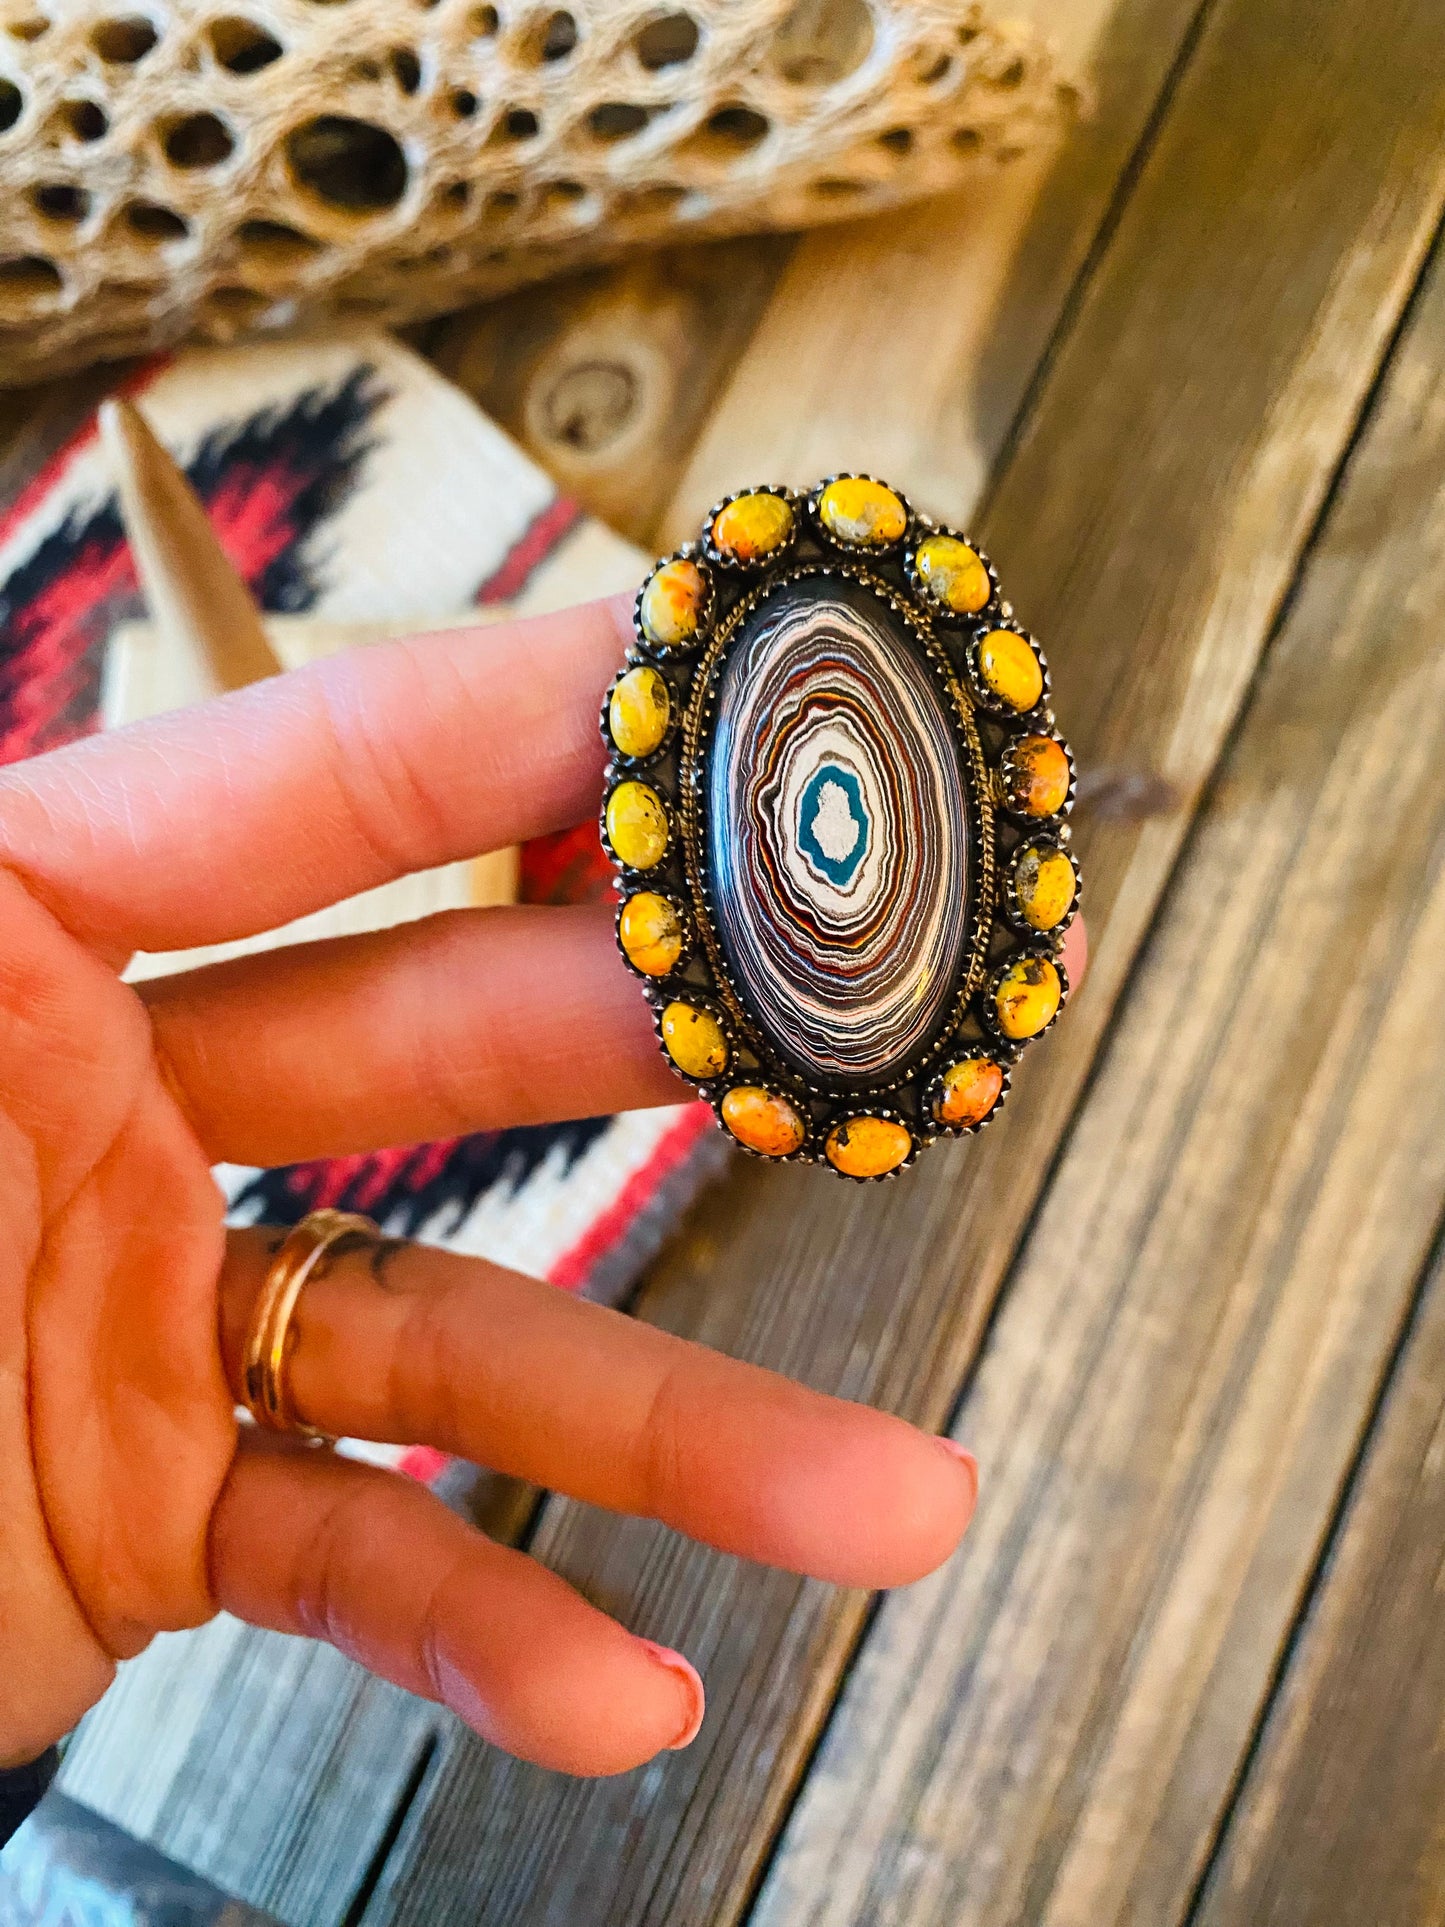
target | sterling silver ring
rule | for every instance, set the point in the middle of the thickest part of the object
(837, 803)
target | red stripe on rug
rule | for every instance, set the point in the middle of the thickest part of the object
(39, 486)
(572, 1270)
(531, 549)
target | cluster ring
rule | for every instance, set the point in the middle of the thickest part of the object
(838, 803)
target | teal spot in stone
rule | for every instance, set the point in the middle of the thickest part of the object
(833, 823)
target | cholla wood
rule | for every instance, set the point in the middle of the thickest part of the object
(211, 166)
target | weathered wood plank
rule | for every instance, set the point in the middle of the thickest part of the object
(606, 378)
(1183, 443)
(273, 1765)
(1197, 1328)
(1342, 1818)
(904, 346)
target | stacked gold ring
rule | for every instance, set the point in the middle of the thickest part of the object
(307, 1253)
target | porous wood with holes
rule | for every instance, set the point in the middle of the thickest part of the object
(171, 166)
(1185, 1299)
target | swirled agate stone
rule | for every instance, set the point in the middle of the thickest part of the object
(836, 831)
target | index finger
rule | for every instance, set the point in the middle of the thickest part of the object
(241, 814)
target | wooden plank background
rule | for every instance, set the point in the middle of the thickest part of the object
(1198, 1325)
(1173, 1299)
(1341, 1815)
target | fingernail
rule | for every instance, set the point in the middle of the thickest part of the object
(963, 1457)
(684, 1670)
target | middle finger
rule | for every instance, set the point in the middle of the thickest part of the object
(468, 1021)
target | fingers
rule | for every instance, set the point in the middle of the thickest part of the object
(464, 1022)
(241, 814)
(1076, 952)
(306, 1543)
(417, 1346)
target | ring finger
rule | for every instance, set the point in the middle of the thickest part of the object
(411, 1345)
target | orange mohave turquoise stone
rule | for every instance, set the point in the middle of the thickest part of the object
(953, 574)
(672, 604)
(752, 526)
(1044, 886)
(763, 1121)
(867, 1147)
(639, 711)
(651, 933)
(1026, 997)
(694, 1041)
(1009, 668)
(857, 510)
(969, 1092)
(636, 825)
(1037, 775)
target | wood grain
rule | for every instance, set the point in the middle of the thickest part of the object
(1198, 1324)
(1342, 1819)
(905, 345)
(606, 379)
(272, 1764)
(1183, 443)
(1342, 1816)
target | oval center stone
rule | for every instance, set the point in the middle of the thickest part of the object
(836, 831)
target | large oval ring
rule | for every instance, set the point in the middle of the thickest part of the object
(838, 807)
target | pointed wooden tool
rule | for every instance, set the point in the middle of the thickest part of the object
(198, 602)
(204, 616)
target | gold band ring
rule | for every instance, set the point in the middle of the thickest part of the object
(308, 1252)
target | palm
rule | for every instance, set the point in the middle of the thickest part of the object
(129, 1500)
(113, 1249)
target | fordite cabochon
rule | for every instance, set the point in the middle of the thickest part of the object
(837, 805)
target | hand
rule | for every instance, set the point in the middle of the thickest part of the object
(129, 1503)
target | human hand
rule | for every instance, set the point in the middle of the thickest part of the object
(129, 1501)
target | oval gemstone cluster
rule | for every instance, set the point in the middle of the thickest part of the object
(838, 808)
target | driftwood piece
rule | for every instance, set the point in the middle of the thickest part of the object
(196, 167)
(608, 377)
(648, 387)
